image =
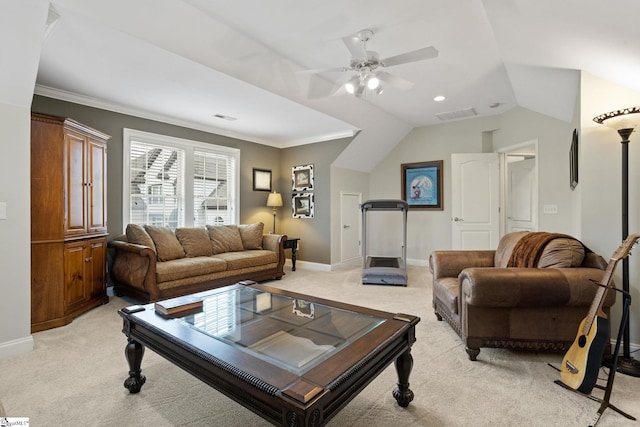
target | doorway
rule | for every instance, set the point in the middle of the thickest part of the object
(519, 170)
(350, 226)
(479, 217)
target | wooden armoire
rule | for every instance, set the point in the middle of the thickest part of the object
(68, 220)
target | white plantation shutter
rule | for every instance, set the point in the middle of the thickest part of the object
(178, 183)
(157, 185)
(212, 180)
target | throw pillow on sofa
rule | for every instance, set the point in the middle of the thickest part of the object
(225, 238)
(251, 235)
(194, 241)
(137, 235)
(167, 245)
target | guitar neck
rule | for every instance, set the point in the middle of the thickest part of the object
(601, 293)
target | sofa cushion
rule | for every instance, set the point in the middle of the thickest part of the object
(244, 259)
(167, 245)
(194, 241)
(188, 267)
(251, 235)
(505, 248)
(136, 234)
(562, 253)
(225, 238)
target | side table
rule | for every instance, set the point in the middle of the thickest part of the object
(292, 243)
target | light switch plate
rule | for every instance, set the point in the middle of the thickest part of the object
(550, 209)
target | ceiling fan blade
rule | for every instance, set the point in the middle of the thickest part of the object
(395, 81)
(324, 70)
(355, 46)
(414, 55)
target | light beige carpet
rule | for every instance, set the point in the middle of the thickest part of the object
(74, 376)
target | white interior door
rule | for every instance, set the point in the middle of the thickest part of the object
(475, 204)
(350, 226)
(522, 195)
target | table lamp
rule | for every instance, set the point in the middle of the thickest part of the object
(274, 201)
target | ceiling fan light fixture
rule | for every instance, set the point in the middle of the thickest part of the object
(352, 84)
(373, 82)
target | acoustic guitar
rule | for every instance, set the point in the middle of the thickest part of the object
(581, 363)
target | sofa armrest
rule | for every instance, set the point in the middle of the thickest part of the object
(135, 265)
(275, 243)
(530, 287)
(451, 263)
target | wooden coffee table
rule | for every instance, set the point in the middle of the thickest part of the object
(293, 359)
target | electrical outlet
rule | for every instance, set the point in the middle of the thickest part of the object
(550, 209)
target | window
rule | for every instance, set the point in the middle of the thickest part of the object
(175, 182)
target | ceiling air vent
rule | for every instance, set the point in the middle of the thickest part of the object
(460, 114)
(223, 117)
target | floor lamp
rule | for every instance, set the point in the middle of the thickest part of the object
(274, 201)
(624, 121)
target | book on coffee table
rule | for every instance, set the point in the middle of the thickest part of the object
(180, 306)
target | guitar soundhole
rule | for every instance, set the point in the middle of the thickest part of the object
(582, 341)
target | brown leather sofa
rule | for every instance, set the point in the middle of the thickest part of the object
(530, 293)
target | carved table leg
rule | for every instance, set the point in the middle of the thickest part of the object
(473, 353)
(404, 364)
(134, 352)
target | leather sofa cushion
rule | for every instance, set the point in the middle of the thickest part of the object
(505, 248)
(167, 245)
(251, 235)
(244, 259)
(194, 241)
(562, 253)
(225, 238)
(188, 267)
(138, 235)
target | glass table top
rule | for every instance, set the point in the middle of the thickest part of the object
(293, 334)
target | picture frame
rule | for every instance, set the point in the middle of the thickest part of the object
(302, 178)
(573, 161)
(302, 205)
(422, 185)
(261, 179)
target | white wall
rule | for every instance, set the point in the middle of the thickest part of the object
(431, 230)
(601, 180)
(15, 248)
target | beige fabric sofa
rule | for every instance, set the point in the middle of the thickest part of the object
(153, 263)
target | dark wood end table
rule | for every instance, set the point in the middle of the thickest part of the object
(292, 243)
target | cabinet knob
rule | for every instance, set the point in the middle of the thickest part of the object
(88, 259)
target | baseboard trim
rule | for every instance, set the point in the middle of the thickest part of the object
(344, 265)
(16, 347)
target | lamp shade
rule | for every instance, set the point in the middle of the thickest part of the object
(274, 200)
(627, 118)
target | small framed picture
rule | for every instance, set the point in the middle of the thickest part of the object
(302, 178)
(261, 179)
(302, 205)
(422, 185)
(573, 161)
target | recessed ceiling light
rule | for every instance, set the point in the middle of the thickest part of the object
(439, 98)
(222, 116)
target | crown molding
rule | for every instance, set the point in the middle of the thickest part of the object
(122, 109)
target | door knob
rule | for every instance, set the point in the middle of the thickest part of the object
(346, 226)
(456, 219)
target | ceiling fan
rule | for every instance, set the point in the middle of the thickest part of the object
(368, 66)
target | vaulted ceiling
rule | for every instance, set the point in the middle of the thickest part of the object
(186, 61)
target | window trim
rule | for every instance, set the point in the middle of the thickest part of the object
(189, 146)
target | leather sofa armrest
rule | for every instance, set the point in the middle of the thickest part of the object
(451, 263)
(135, 265)
(531, 287)
(275, 243)
(514, 287)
